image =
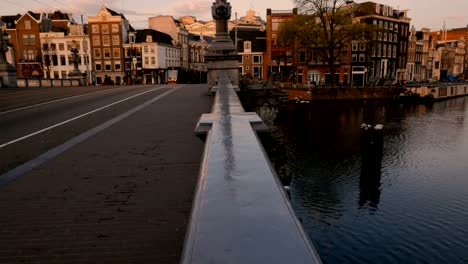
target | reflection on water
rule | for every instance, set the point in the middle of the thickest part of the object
(408, 208)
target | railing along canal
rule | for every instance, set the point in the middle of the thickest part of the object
(240, 212)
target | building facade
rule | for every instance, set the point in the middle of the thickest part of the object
(57, 55)
(386, 57)
(25, 39)
(149, 58)
(176, 29)
(278, 58)
(108, 31)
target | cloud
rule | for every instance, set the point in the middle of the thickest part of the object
(201, 9)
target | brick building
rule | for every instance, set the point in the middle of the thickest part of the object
(108, 31)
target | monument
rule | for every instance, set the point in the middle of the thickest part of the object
(222, 57)
(75, 72)
(7, 71)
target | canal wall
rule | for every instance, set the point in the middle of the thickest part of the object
(343, 93)
(38, 82)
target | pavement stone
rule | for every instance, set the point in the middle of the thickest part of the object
(122, 196)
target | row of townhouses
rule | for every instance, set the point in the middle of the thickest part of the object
(111, 50)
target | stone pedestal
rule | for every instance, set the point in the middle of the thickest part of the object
(222, 58)
(7, 75)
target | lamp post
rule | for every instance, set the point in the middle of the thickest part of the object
(7, 71)
(131, 36)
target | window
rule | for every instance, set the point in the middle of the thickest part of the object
(105, 40)
(25, 39)
(354, 57)
(105, 28)
(107, 53)
(108, 66)
(115, 40)
(96, 41)
(55, 60)
(385, 36)
(27, 24)
(384, 50)
(98, 66)
(117, 66)
(95, 29)
(257, 71)
(64, 74)
(258, 58)
(378, 49)
(153, 60)
(61, 46)
(354, 46)
(362, 57)
(32, 39)
(56, 74)
(115, 28)
(116, 52)
(362, 47)
(247, 46)
(62, 60)
(145, 49)
(97, 53)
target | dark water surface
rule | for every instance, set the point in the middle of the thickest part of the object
(416, 212)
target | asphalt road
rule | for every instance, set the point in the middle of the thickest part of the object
(123, 194)
(34, 121)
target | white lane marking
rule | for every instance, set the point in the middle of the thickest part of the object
(76, 117)
(54, 101)
(41, 159)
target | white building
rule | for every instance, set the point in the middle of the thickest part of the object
(151, 56)
(176, 29)
(56, 54)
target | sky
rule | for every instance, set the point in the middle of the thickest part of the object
(424, 13)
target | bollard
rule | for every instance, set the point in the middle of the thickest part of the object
(371, 153)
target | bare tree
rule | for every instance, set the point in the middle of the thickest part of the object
(325, 26)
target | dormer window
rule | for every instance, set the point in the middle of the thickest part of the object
(247, 46)
(149, 38)
(27, 24)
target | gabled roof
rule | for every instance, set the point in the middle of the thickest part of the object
(114, 13)
(58, 15)
(10, 21)
(36, 16)
(255, 36)
(110, 11)
(156, 36)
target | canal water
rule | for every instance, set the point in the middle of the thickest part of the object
(414, 211)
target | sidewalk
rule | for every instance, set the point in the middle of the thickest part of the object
(123, 196)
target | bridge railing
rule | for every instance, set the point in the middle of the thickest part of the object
(240, 212)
